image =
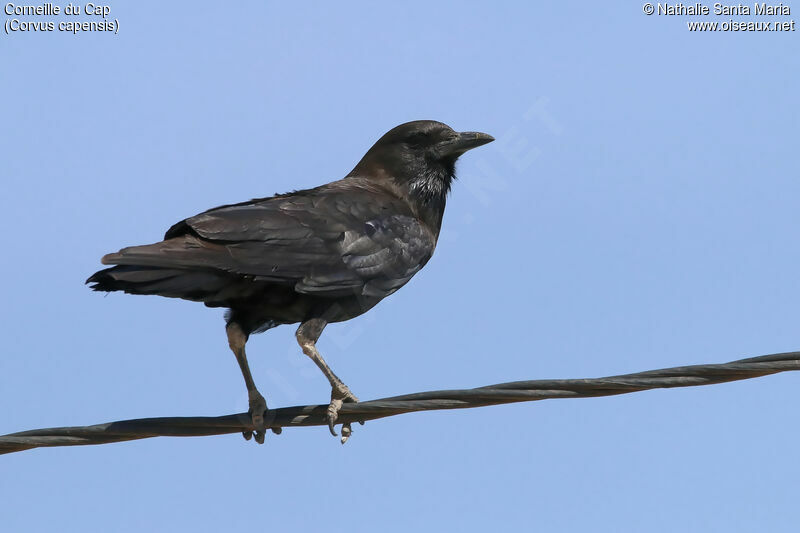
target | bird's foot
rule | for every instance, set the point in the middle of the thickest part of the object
(340, 393)
(258, 406)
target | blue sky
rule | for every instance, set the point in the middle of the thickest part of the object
(638, 211)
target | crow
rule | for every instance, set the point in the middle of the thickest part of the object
(312, 256)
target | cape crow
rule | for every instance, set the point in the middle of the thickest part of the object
(312, 256)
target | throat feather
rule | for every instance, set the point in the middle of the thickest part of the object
(430, 188)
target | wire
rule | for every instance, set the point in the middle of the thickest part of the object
(314, 415)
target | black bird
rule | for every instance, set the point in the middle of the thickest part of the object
(312, 256)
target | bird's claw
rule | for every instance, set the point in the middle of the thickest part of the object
(258, 406)
(346, 432)
(339, 395)
(333, 414)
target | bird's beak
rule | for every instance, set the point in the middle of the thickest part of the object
(464, 141)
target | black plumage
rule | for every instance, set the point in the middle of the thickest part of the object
(313, 256)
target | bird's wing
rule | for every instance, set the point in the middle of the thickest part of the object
(376, 259)
(326, 242)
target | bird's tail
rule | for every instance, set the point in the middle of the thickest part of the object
(153, 280)
(138, 272)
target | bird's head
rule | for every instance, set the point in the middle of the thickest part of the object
(420, 157)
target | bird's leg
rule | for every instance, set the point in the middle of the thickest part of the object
(307, 335)
(236, 340)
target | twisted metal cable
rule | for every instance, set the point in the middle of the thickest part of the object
(314, 415)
